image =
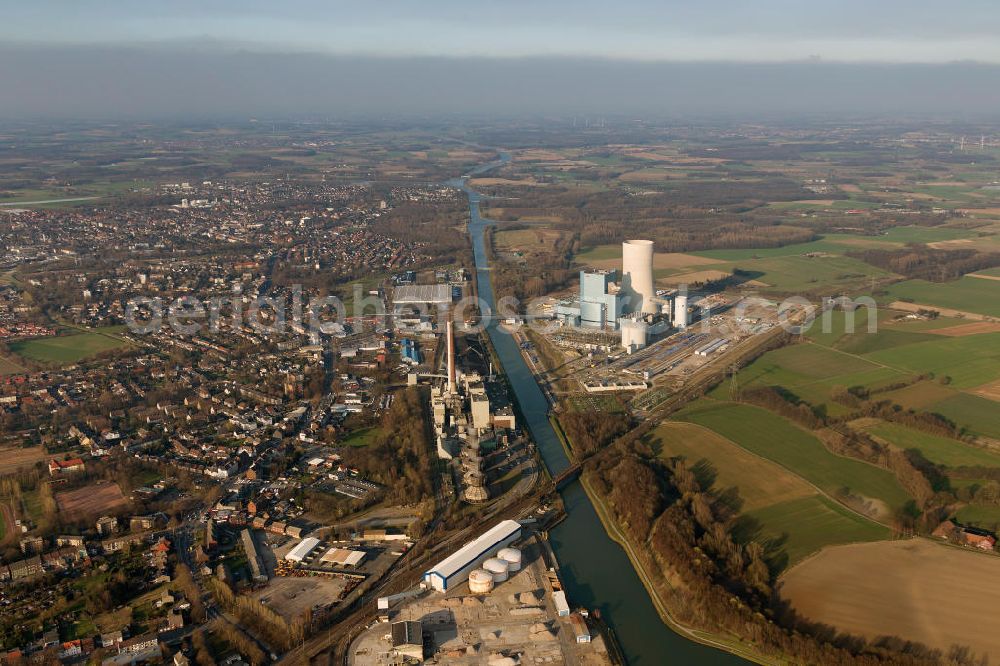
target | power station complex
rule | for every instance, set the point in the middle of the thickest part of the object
(626, 301)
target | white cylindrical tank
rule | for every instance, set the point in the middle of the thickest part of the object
(512, 556)
(635, 334)
(498, 568)
(637, 275)
(480, 581)
(681, 311)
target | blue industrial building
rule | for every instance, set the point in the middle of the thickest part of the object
(599, 303)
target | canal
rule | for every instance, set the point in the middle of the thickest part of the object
(595, 570)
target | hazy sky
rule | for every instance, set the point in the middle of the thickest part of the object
(745, 30)
(733, 58)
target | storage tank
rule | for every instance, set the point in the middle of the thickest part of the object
(480, 581)
(637, 275)
(635, 334)
(498, 568)
(512, 556)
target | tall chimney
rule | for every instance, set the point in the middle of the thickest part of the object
(451, 358)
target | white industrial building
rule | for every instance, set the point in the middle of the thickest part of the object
(455, 568)
(302, 549)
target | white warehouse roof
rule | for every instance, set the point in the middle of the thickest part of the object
(422, 293)
(474, 550)
(303, 549)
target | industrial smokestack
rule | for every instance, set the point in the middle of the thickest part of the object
(451, 357)
(637, 272)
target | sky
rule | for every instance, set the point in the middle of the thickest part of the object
(209, 58)
(739, 30)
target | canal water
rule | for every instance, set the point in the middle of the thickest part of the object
(595, 570)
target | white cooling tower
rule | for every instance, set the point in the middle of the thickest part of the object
(681, 311)
(637, 275)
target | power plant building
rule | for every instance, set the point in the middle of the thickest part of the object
(599, 303)
(455, 569)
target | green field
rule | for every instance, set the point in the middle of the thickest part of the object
(810, 371)
(760, 482)
(599, 253)
(979, 415)
(796, 364)
(987, 517)
(899, 351)
(71, 348)
(774, 438)
(939, 450)
(967, 294)
(970, 361)
(780, 509)
(807, 524)
(362, 437)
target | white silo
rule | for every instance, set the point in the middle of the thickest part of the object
(480, 581)
(637, 275)
(681, 311)
(512, 556)
(635, 334)
(497, 568)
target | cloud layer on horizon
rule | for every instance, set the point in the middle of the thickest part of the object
(166, 82)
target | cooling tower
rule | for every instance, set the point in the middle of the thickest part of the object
(637, 275)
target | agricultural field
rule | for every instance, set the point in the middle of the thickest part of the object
(771, 436)
(963, 383)
(9, 367)
(760, 482)
(527, 242)
(72, 348)
(90, 501)
(806, 525)
(939, 450)
(967, 294)
(779, 508)
(915, 589)
(14, 459)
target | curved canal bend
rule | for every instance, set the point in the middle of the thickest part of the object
(594, 569)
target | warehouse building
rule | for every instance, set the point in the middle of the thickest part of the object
(455, 569)
(343, 557)
(302, 550)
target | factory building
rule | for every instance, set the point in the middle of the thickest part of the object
(408, 351)
(455, 568)
(598, 304)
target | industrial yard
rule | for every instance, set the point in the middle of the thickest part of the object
(522, 619)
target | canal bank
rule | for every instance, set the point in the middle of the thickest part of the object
(595, 570)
